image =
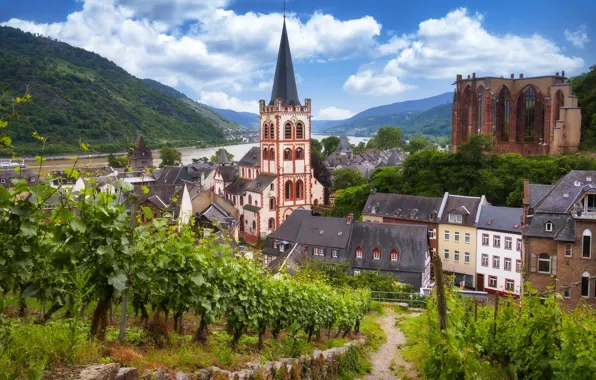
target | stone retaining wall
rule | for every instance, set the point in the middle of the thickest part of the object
(321, 365)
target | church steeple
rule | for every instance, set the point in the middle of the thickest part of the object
(284, 83)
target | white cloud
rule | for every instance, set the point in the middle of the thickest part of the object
(367, 82)
(334, 113)
(579, 38)
(458, 43)
(223, 100)
(218, 50)
(394, 45)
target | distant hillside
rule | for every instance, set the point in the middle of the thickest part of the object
(203, 109)
(435, 121)
(245, 119)
(78, 94)
(401, 114)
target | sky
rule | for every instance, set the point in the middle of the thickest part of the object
(348, 55)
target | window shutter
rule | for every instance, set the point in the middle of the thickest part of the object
(554, 265)
(533, 260)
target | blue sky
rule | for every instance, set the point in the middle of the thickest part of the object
(348, 55)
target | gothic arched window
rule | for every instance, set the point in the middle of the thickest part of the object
(299, 154)
(271, 223)
(479, 109)
(271, 204)
(289, 190)
(272, 154)
(271, 131)
(288, 131)
(559, 102)
(241, 200)
(300, 131)
(299, 189)
(265, 154)
(265, 131)
(503, 110)
(288, 154)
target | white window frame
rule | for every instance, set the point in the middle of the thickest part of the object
(585, 275)
(509, 288)
(550, 262)
(589, 234)
(456, 236)
(446, 254)
(505, 261)
(484, 260)
(432, 234)
(356, 272)
(467, 238)
(548, 226)
(376, 255)
(466, 257)
(456, 256)
(508, 243)
(392, 255)
(318, 251)
(496, 241)
(518, 245)
(490, 278)
(518, 266)
(453, 218)
(334, 253)
(569, 249)
(446, 235)
(497, 260)
(485, 238)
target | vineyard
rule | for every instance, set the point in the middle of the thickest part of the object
(81, 254)
(532, 338)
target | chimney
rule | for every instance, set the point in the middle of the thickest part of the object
(468, 76)
(563, 73)
(557, 73)
(349, 218)
(521, 76)
(473, 75)
(512, 76)
(526, 202)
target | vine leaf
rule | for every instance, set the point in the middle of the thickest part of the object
(118, 281)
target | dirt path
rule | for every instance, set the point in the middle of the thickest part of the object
(388, 355)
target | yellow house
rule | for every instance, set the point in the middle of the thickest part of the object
(457, 237)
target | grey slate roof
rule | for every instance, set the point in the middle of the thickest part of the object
(228, 173)
(251, 158)
(403, 207)
(537, 192)
(223, 158)
(284, 82)
(324, 232)
(501, 219)
(261, 183)
(218, 216)
(537, 225)
(252, 208)
(344, 145)
(564, 192)
(410, 242)
(460, 205)
(237, 187)
(290, 228)
(141, 150)
(174, 175)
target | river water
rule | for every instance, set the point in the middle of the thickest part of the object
(237, 150)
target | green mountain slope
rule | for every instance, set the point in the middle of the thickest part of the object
(78, 94)
(202, 109)
(435, 121)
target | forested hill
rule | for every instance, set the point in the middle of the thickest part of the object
(78, 94)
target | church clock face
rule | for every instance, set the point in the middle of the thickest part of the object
(294, 119)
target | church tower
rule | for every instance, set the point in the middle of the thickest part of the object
(285, 139)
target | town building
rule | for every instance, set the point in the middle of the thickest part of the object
(457, 237)
(559, 228)
(140, 157)
(533, 115)
(8, 175)
(406, 209)
(398, 249)
(276, 178)
(499, 250)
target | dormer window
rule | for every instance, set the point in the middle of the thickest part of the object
(548, 226)
(376, 254)
(454, 218)
(359, 253)
(590, 201)
(394, 256)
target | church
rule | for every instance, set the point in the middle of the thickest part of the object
(276, 178)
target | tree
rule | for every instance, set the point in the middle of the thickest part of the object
(584, 87)
(386, 138)
(215, 158)
(351, 201)
(360, 148)
(344, 178)
(316, 147)
(169, 156)
(117, 162)
(417, 144)
(330, 144)
(202, 160)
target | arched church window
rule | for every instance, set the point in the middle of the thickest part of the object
(265, 131)
(479, 110)
(299, 189)
(271, 223)
(288, 154)
(288, 131)
(272, 154)
(241, 200)
(503, 110)
(271, 204)
(265, 154)
(289, 190)
(300, 131)
(271, 131)
(299, 154)
(530, 117)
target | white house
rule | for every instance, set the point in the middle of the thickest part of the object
(499, 250)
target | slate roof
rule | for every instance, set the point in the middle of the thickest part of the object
(410, 242)
(565, 191)
(9, 174)
(223, 158)
(251, 158)
(460, 205)
(537, 192)
(403, 207)
(290, 228)
(252, 208)
(171, 175)
(228, 173)
(217, 215)
(344, 145)
(237, 187)
(284, 82)
(501, 218)
(141, 150)
(324, 232)
(261, 183)
(537, 226)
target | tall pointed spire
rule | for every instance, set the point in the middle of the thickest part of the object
(223, 158)
(284, 83)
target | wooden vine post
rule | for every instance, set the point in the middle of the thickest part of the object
(495, 317)
(440, 286)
